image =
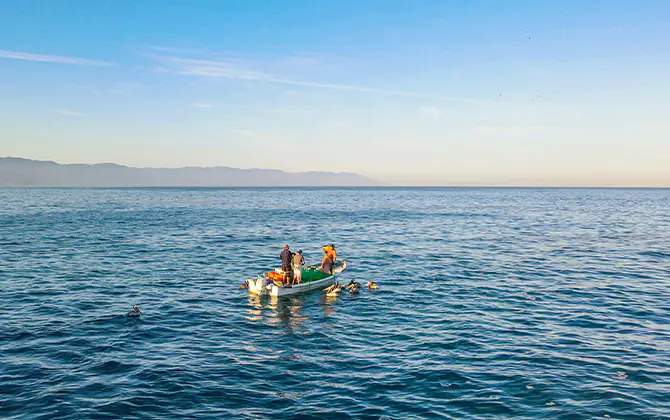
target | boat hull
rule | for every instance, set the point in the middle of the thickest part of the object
(263, 286)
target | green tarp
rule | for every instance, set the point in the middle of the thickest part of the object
(312, 274)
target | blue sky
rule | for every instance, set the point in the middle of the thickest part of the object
(422, 92)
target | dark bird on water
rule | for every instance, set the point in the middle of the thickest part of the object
(135, 313)
(354, 287)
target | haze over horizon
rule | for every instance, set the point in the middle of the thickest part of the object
(421, 93)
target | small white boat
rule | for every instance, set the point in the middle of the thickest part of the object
(311, 280)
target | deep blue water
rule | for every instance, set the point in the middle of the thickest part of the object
(508, 303)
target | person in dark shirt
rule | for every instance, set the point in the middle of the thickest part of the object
(286, 257)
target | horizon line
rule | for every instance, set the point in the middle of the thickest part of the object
(373, 178)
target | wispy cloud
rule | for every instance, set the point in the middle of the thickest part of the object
(54, 59)
(291, 63)
(231, 69)
(243, 70)
(430, 111)
(69, 112)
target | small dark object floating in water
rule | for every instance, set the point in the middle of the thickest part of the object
(135, 313)
(353, 284)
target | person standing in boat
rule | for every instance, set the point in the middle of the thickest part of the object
(298, 262)
(329, 258)
(286, 263)
(332, 253)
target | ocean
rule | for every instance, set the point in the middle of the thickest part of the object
(492, 303)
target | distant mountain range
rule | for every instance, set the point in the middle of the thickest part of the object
(26, 172)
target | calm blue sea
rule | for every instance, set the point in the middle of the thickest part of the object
(493, 303)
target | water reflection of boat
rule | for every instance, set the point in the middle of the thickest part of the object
(312, 279)
(276, 311)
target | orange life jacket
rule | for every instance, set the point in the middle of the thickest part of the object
(273, 275)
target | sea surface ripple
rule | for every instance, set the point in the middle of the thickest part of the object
(493, 303)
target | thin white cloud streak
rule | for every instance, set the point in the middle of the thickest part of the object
(237, 70)
(291, 62)
(211, 68)
(370, 90)
(69, 112)
(54, 59)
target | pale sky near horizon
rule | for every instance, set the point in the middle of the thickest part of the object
(408, 92)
